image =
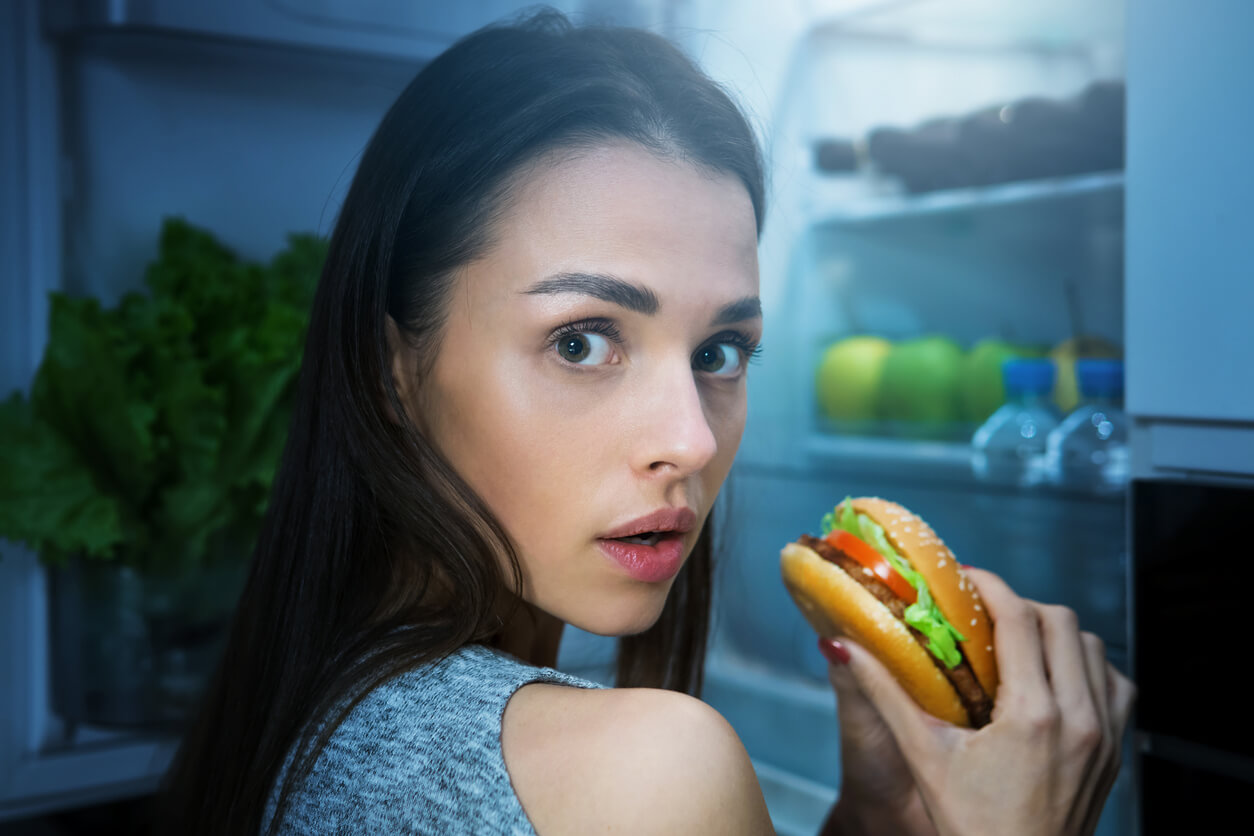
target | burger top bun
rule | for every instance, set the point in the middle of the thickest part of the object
(953, 591)
(823, 591)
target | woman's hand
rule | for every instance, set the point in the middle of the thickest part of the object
(877, 793)
(1045, 763)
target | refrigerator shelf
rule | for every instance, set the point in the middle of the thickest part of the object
(93, 767)
(1058, 27)
(931, 460)
(946, 463)
(397, 30)
(1100, 193)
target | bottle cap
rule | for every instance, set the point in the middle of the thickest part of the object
(1100, 378)
(1028, 376)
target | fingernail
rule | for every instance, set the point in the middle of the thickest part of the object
(967, 566)
(835, 652)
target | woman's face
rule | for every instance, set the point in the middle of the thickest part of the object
(591, 374)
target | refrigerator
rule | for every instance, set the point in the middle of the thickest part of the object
(1141, 252)
(856, 247)
(246, 117)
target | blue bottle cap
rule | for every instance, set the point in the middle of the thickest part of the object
(1100, 378)
(1028, 376)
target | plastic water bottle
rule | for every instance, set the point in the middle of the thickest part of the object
(1009, 448)
(1089, 449)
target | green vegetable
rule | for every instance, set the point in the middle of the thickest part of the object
(153, 428)
(923, 615)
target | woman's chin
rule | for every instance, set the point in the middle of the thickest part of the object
(622, 617)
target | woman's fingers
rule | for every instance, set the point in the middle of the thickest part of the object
(1121, 693)
(1069, 664)
(1057, 686)
(1020, 656)
(1118, 698)
(1122, 696)
(873, 769)
(911, 726)
(1094, 702)
(1076, 664)
(1099, 681)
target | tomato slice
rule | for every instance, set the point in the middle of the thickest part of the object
(864, 553)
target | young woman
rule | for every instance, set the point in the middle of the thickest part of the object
(523, 387)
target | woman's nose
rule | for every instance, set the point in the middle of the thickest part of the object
(676, 436)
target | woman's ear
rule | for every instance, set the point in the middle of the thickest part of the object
(404, 370)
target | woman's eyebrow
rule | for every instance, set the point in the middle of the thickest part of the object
(601, 286)
(633, 297)
(750, 307)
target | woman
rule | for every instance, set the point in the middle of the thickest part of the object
(523, 387)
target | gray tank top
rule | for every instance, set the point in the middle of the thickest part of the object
(421, 754)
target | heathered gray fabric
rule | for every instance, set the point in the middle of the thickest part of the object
(422, 754)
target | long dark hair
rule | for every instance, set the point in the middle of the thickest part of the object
(366, 515)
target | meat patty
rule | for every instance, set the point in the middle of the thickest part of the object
(972, 695)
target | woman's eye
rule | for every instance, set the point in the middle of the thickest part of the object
(584, 349)
(722, 359)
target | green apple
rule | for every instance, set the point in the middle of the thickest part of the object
(1064, 355)
(848, 377)
(980, 388)
(920, 381)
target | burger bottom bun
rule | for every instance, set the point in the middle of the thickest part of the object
(837, 605)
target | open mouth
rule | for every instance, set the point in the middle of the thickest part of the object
(648, 538)
(649, 556)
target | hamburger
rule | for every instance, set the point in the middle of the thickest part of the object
(881, 576)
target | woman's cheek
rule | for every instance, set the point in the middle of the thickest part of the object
(726, 410)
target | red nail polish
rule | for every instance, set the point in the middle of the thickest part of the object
(835, 652)
(967, 566)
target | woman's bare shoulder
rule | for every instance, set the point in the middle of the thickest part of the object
(631, 760)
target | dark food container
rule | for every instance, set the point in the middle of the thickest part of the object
(1030, 139)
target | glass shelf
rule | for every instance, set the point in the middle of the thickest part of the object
(1059, 24)
(90, 769)
(395, 30)
(1100, 193)
(927, 461)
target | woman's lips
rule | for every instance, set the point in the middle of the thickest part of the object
(648, 563)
